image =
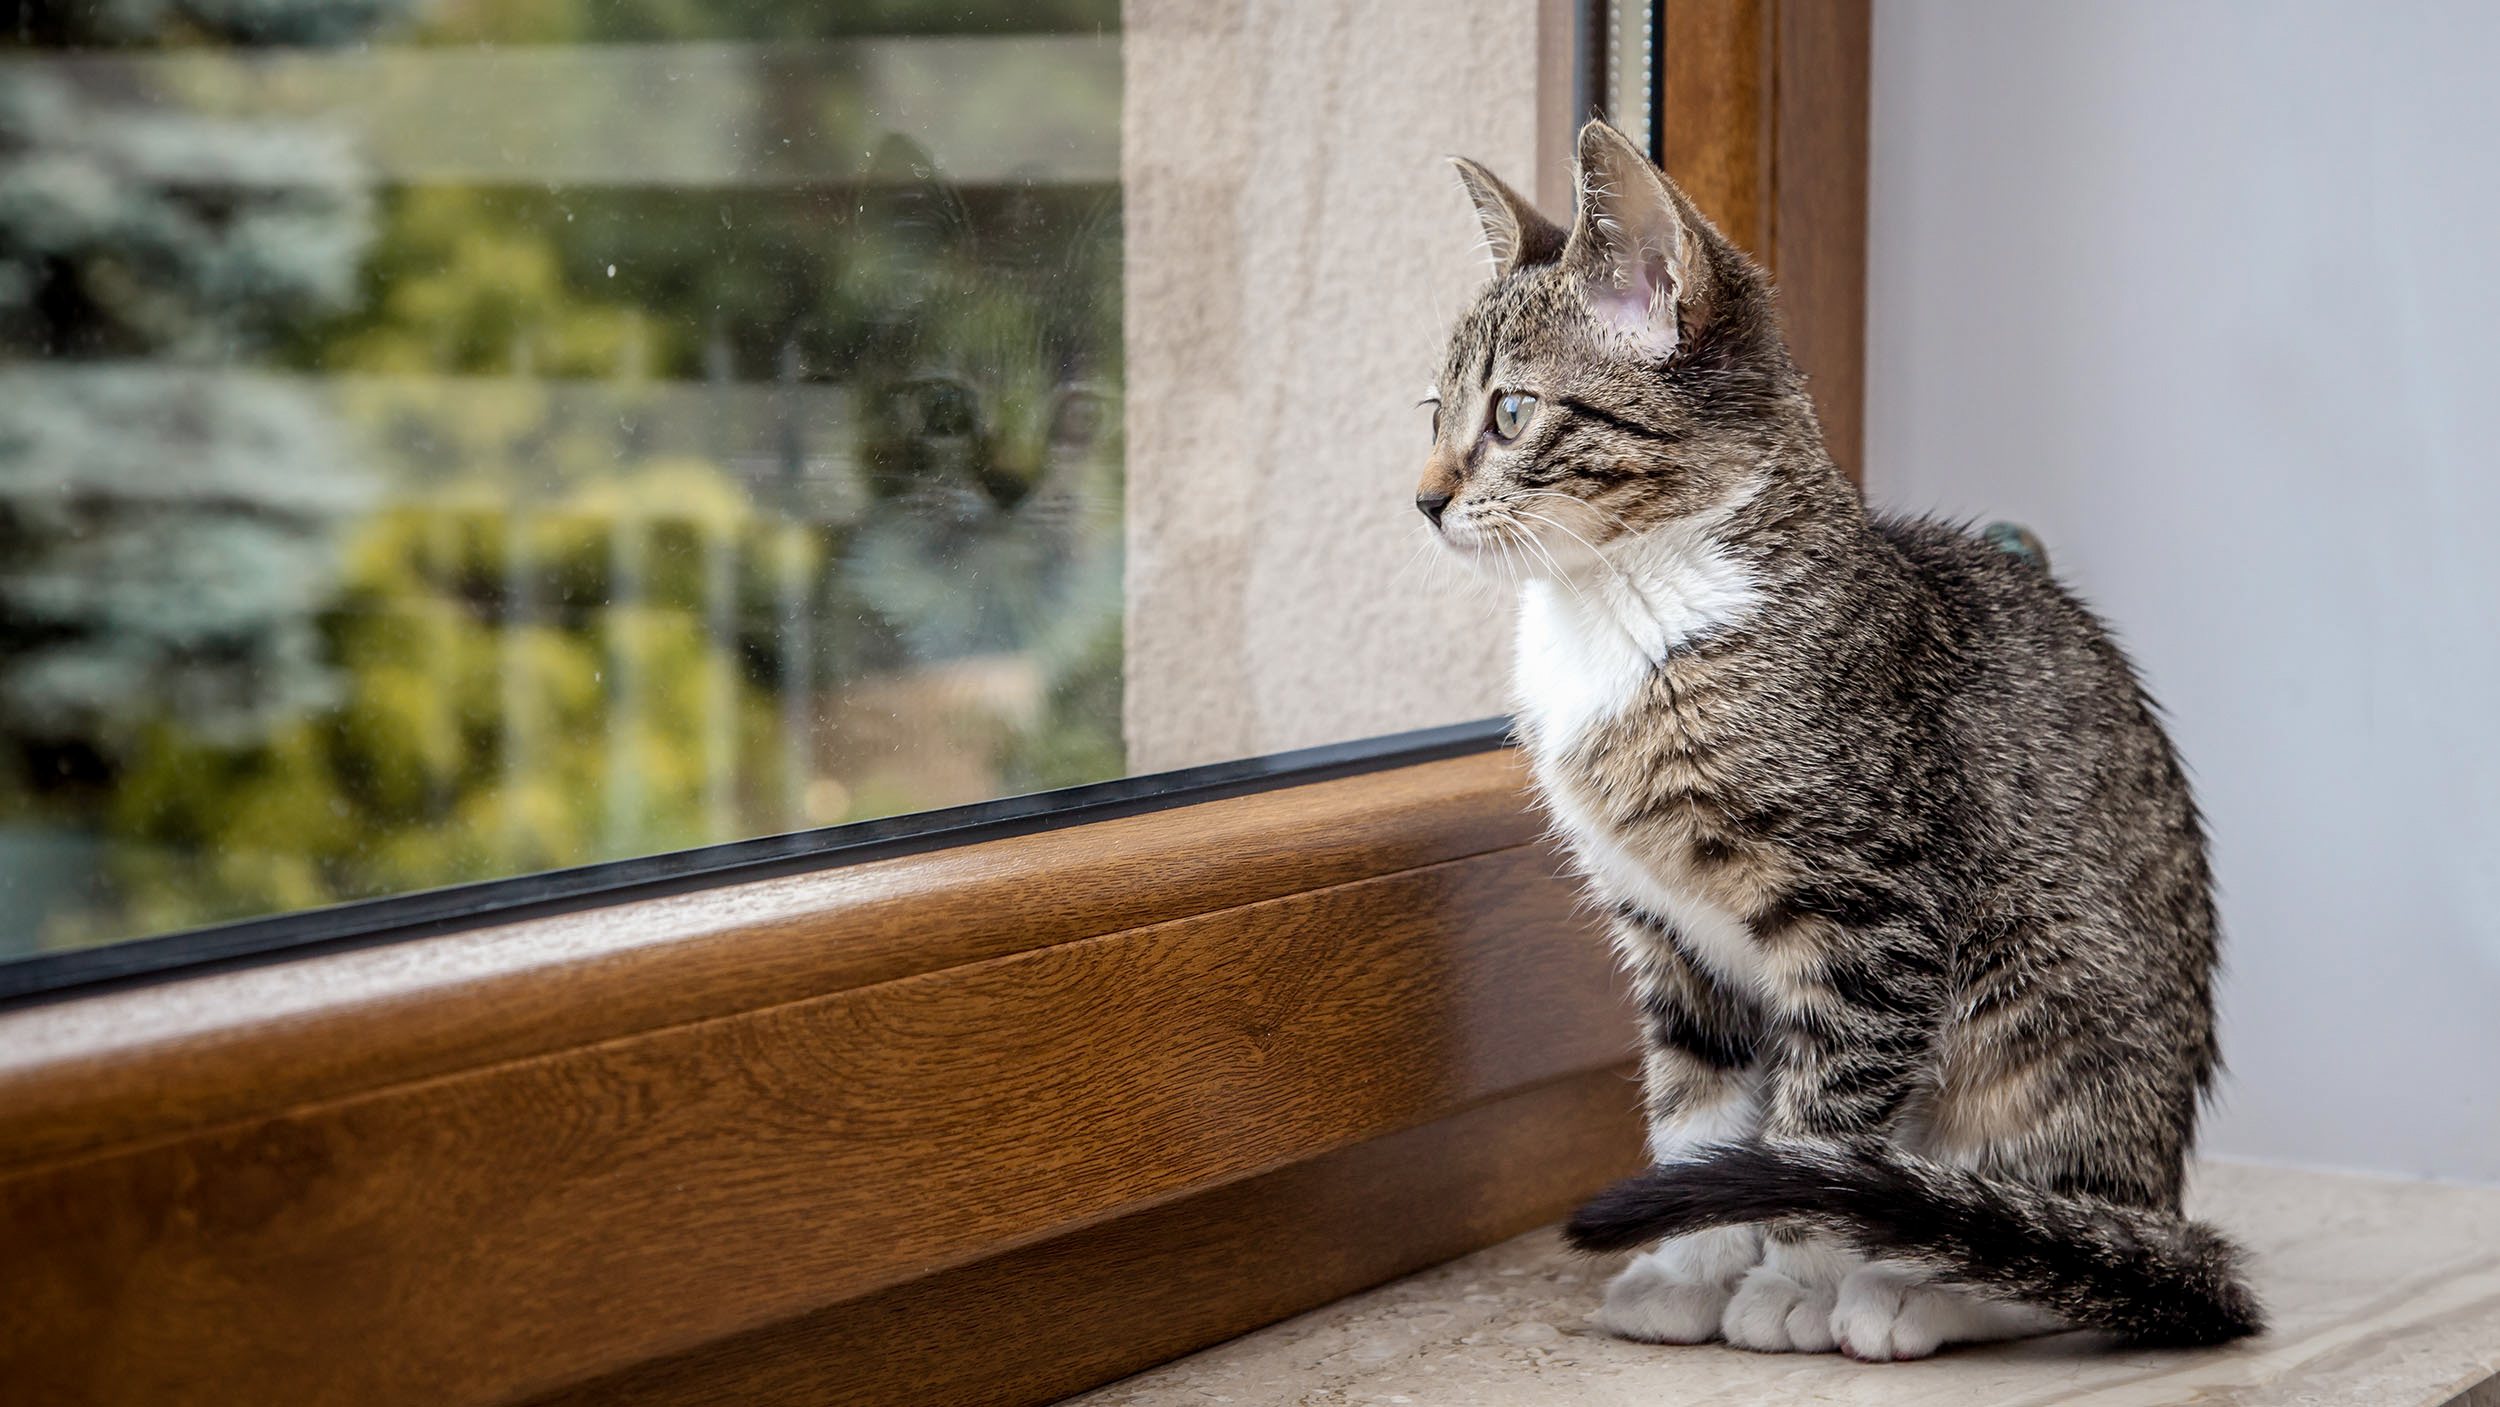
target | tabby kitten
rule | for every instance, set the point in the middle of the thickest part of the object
(989, 432)
(1906, 874)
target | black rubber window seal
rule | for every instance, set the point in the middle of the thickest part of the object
(47, 977)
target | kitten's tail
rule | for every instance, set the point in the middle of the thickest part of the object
(2149, 1277)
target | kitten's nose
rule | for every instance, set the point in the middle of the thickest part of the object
(1432, 504)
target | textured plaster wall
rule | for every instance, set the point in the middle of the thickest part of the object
(1296, 249)
(2206, 294)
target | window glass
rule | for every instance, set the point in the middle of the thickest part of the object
(443, 441)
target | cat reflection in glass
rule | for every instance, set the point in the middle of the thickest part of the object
(988, 554)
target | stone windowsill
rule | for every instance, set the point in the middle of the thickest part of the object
(2383, 1292)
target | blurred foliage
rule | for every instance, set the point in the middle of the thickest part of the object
(459, 284)
(55, 24)
(462, 615)
(466, 746)
(141, 252)
(63, 24)
(139, 233)
(613, 21)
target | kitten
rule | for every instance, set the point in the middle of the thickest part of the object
(982, 577)
(990, 425)
(1905, 872)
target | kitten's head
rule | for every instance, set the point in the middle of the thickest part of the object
(1622, 375)
(989, 390)
(989, 433)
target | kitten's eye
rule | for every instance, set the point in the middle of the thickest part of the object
(1512, 411)
(1077, 421)
(945, 409)
(1435, 403)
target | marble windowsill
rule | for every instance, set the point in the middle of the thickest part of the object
(2383, 1292)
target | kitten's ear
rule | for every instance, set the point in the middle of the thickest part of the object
(1635, 246)
(1514, 233)
(905, 194)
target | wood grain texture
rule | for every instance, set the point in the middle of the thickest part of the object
(1764, 104)
(1127, 1294)
(1714, 93)
(511, 1229)
(1818, 246)
(1166, 1077)
(82, 1076)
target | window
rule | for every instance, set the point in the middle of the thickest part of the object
(449, 441)
(1122, 1046)
(622, 445)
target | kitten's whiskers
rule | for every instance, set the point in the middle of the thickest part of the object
(1529, 539)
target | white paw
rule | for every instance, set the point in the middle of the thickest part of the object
(1785, 1304)
(1886, 1315)
(1648, 1304)
(1774, 1313)
(1883, 1315)
(1677, 1293)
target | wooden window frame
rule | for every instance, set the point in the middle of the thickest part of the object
(989, 1123)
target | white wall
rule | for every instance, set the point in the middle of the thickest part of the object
(2209, 295)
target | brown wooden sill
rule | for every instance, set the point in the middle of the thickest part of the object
(80, 1076)
(1039, 1323)
(733, 1128)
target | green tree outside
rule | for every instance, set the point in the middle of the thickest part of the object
(564, 633)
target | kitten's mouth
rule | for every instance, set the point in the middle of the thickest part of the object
(1460, 535)
(1495, 549)
(1515, 546)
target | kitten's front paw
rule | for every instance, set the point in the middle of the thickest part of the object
(1678, 1292)
(1886, 1315)
(1773, 1312)
(1883, 1316)
(1648, 1303)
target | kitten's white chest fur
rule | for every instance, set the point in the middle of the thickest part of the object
(1575, 666)
(1589, 642)
(1587, 649)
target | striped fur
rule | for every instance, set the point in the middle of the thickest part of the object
(1905, 871)
(2147, 1277)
